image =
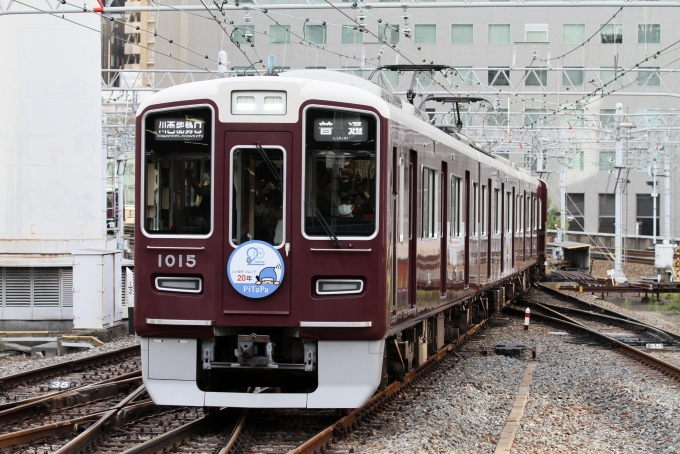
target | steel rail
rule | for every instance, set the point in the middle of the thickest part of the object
(235, 434)
(322, 440)
(72, 425)
(68, 398)
(82, 441)
(642, 356)
(74, 365)
(602, 310)
(18, 403)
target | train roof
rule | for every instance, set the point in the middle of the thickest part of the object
(303, 85)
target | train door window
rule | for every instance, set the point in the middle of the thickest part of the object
(518, 213)
(178, 195)
(401, 197)
(508, 211)
(340, 181)
(475, 209)
(484, 213)
(429, 203)
(527, 213)
(457, 206)
(496, 210)
(258, 208)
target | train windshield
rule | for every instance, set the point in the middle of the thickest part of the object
(177, 170)
(340, 173)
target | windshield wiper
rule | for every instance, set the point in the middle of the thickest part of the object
(327, 229)
(265, 158)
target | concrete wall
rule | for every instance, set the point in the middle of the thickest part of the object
(51, 162)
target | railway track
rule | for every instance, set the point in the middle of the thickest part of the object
(25, 387)
(657, 348)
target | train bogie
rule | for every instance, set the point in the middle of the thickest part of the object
(306, 238)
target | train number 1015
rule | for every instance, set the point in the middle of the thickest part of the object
(170, 260)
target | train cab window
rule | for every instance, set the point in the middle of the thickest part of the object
(257, 199)
(457, 207)
(429, 192)
(178, 195)
(474, 220)
(340, 181)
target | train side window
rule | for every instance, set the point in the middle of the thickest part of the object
(533, 209)
(178, 194)
(429, 203)
(508, 211)
(496, 210)
(475, 209)
(484, 213)
(457, 206)
(539, 212)
(258, 208)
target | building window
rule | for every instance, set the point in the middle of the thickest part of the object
(351, 35)
(425, 34)
(645, 215)
(607, 116)
(244, 34)
(573, 118)
(499, 77)
(536, 33)
(389, 79)
(606, 213)
(606, 161)
(461, 33)
(279, 34)
(429, 203)
(532, 116)
(611, 76)
(497, 117)
(315, 67)
(502, 154)
(573, 76)
(315, 33)
(575, 161)
(649, 33)
(499, 33)
(536, 77)
(648, 77)
(356, 70)
(611, 34)
(575, 209)
(388, 33)
(426, 78)
(462, 76)
(573, 33)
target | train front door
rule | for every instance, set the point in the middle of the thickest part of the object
(257, 219)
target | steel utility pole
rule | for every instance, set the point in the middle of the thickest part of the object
(618, 276)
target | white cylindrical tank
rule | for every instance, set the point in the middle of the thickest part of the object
(50, 133)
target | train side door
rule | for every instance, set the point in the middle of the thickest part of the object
(468, 220)
(257, 209)
(413, 230)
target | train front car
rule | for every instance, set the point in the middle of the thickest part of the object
(260, 250)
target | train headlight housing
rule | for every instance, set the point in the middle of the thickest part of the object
(258, 102)
(339, 286)
(179, 284)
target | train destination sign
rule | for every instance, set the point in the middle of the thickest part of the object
(179, 129)
(340, 129)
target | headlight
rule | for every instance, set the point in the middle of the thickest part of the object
(339, 286)
(179, 284)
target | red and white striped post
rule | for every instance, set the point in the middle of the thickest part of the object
(526, 319)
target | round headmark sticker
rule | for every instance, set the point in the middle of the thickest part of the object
(255, 269)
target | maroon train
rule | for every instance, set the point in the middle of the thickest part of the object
(304, 239)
